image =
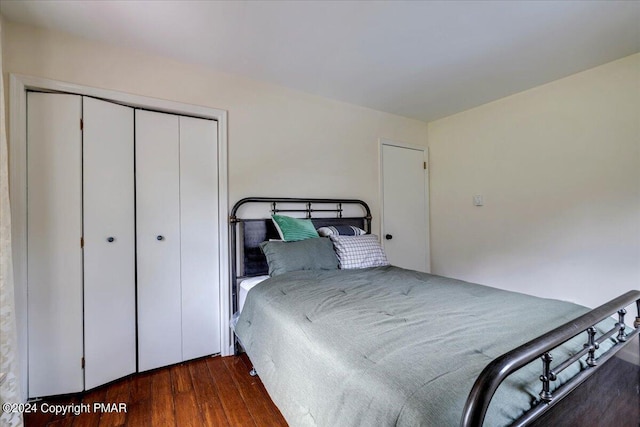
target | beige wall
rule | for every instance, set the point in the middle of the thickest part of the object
(281, 142)
(559, 168)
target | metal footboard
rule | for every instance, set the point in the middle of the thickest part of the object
(497, 371)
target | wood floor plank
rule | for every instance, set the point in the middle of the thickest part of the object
(247, 362)
(37, 418)
(139, 413)
(141, 386)
(117, 393)
(62, 422)
(163, 411)
(206, 393)
(92, 418)
(139, 408)
(259, 407)
(187, 410)
(245, 358)
(181, 378)
(232, 402)
(40, 418)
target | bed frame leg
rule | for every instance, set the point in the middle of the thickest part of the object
(253, 372)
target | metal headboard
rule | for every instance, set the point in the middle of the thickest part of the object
(253, 231)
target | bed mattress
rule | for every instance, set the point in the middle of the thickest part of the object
(245, 286)
(388, 346)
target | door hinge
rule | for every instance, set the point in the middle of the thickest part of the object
(81, 124)
(424, 165)
(82, 363)
(82, 242)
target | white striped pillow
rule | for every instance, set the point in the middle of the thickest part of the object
(359, 251)
(340, 230)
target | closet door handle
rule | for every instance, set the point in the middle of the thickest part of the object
(111, 239)
(160, 237)
(388, 236)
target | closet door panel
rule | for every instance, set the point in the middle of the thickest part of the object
(158, 239)
(109, 242)
(199, 237)
(54, 223)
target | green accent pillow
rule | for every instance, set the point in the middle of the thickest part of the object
(294, 229)
(309, 254)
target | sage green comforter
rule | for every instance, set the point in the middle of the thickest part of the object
(387, 346)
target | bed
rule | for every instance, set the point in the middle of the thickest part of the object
(388, 346)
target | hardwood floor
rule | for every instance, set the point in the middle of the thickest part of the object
(212, 391)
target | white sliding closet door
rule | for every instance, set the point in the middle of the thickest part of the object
(54, 262)
(199, 237)
(109, 242)
(158, 239)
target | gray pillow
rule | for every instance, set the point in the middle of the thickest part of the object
(309, 254)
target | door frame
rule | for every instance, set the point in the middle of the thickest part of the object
(18, 87)
(425, 155)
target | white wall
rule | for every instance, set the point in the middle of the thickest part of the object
(281, 142)
(558, 165)
(559, 168)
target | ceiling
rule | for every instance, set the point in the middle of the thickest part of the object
(424, 60)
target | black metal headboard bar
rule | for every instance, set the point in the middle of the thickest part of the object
(275, 200)
(308, 210)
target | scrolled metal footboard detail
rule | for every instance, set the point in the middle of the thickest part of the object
(497, 371)
(621, 336)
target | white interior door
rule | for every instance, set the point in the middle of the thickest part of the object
(158, 239)
(405, 232)
(199, 237)
(109, 242)
(54, 260)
